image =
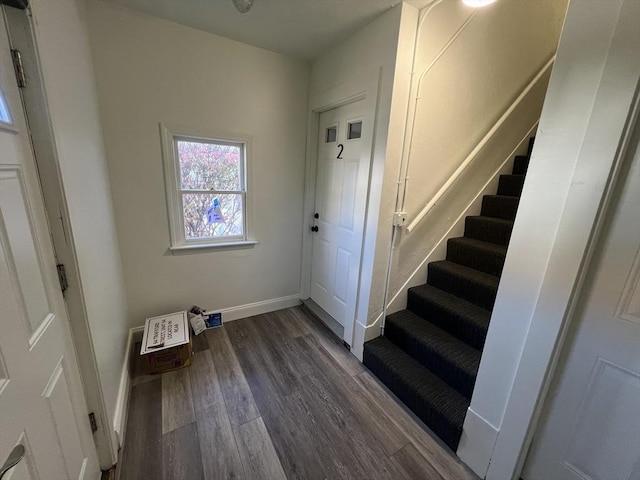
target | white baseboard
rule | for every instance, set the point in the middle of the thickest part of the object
(124, 389)
(258, 308)
(477, 443)
(359, 338)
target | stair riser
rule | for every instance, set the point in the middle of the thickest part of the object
(482, 229)
(477, 293)
(500, 207)
(510, 185)
(460, 380)
(456, 325)
(450, 434)
(474, 257)
(530, 146)
(520, 165)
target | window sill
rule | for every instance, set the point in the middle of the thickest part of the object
(213, 246)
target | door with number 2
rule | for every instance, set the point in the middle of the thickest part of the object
(341, 192)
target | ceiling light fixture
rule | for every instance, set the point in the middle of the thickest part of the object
(243, 6)
(477, 3)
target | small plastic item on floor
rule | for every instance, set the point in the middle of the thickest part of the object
(199, 316)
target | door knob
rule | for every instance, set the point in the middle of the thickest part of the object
(316, 215)
(314, 228)
(12, 460)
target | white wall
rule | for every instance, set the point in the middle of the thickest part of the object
(371, 52)
(585, 114)
(467, 86)
(151, 71)
(63, 44)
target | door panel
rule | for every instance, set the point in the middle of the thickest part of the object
(41, 399)
(27, 263)
(590, 427)
(341, 181)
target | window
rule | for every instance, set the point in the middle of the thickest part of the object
(206, 189)
(355, 130)
(332, 134)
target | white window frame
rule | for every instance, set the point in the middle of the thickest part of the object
(174, 192)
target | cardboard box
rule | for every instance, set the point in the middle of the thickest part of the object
(166, 342)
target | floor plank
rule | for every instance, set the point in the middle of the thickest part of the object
(177, 400)
(220, 456)
(294, 326)
(345, 391)
(205, 386)
(329, 342)
(181, 454)
(199, 342)
(256, 450)
(237, 394)
(414, 465)
(142, 455)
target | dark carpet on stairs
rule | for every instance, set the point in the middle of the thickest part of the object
(430, 352)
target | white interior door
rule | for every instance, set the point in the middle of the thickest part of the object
(341, 192)
(42, 405)
(590, 427)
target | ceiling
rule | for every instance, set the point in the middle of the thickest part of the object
(299, 28)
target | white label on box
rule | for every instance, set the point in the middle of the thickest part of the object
(165, 331)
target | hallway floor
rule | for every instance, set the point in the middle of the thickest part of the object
(272, 397)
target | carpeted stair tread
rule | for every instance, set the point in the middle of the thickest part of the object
(488, 229)
(520, 165)
(500, 206)
(464, 282)
(510, 185)
(439, 405)
(442, 353)
(460, 318)
(484, 256)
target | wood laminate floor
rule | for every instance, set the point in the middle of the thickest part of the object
(275, 397)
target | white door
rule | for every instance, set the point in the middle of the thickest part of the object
(590, 427)
(341, 191)
(42, 405)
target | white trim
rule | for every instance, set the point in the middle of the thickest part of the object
(122, 402)
(477, 442)
(205, 246)
(365, 88)
(168, 136)
(258, 308)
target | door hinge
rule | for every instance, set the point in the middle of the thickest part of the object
(19, 68)
(62, 277)
(93, 423)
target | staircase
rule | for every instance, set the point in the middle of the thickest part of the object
(430, 352)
